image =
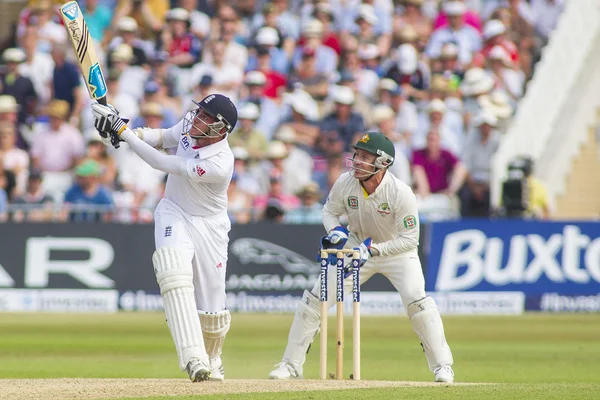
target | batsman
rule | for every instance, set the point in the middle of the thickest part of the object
(384, 227)
(191, 224)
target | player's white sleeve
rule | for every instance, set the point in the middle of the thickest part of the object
(157, 160)
(334, 207)
(161, 138)
(407, 221)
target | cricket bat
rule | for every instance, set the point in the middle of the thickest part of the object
(86, 54)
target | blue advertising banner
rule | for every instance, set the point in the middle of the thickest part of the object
(534, 257)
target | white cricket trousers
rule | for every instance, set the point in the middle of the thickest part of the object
(203, 241)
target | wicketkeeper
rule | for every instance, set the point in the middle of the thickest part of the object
(384, 227)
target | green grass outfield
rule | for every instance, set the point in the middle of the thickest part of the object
(532, 356)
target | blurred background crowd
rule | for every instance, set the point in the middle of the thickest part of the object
(441, 79)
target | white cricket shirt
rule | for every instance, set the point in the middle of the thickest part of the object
(198, 179)
(388, 215)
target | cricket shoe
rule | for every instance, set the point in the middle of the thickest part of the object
(444, 373)
(217, 371)
(284, 370)
(197, 370)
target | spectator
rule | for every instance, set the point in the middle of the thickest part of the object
(132, 78)
(273, 212)
(301, 120)
(412, 75)
(467, 38)
(234, 54)
(470, 17)
(87, 200)
(325, 57)
(38, 66)
(517, 21)
(34, 205)
(66, 84)
(59, 146)
(286, 20)
(367, 32)
(477, 83)
(199, 21)
(412, 17)
(267, 39)
(20, 87)
(13, 158)
(275, 82)
(507, 79)
(370, 58)
(182, 45)
(407, 118)
(149, 15)
(270, 14)
(274, 194)
(436, 170)
(227, 77)
(354, 74)
(298, 165)
(361, 105)
(96, 150)
(385, 121)
(497, 104)
(51, 33)
(478, 153)
(323, 12)
(246, 181)
(200, 91)
(246, 135)
(169, 108)
(494, 35)
(98, 18)
(310, 209)
(239, 203)
(434, 119)
(269, 113)
(448, 65)
(124, 102)
(127, 30)
(349, 124)
(307, 74)
(9, 115)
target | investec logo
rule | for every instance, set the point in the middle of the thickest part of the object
(71, 11)
(484, 260)
(324, 266)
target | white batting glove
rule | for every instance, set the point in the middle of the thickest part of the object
(107, 120)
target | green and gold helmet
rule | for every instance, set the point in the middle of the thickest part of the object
(379, 144)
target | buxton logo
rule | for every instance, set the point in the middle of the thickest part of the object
(71, 11)
(353, 202)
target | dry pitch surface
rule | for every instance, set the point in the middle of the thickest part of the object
(90, 389)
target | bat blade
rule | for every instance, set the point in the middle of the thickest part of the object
(84, 50)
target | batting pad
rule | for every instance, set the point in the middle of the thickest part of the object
(214, 328)
(427, 323)
(303, 331)
(175, 279)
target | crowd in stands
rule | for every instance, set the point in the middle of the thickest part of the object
(441, 78)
